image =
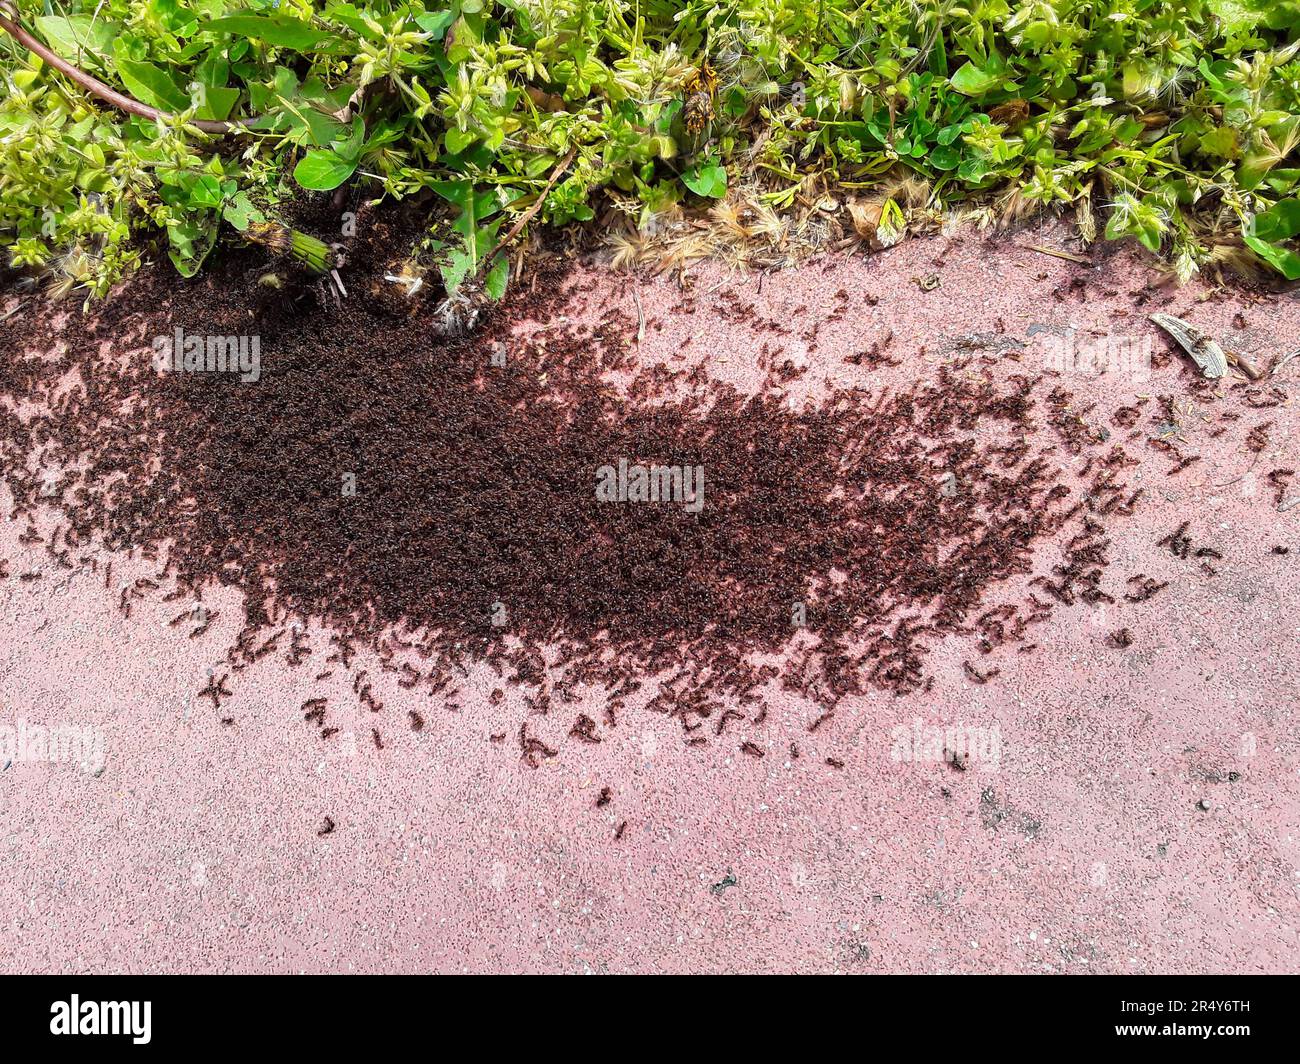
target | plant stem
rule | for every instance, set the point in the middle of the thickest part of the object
(97, 87)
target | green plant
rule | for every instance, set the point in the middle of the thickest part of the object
(1178, 117)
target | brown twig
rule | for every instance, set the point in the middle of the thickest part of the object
(1057, 253)
(1245, 365)
(529, 214)
(97, 87)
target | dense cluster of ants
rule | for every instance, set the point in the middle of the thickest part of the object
(472, 532)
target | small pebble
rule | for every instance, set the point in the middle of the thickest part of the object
(1203, 805)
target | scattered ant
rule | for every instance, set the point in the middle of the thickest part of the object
(1146, 588)
(584, 728)
(976, 675)
(216, 689)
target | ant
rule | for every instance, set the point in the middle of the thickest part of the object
(1147, 587)
(976, 675)
(584, 728)
(215, 689)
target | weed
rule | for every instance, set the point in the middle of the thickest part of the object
(1177, 121)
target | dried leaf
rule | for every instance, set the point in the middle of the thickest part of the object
(1205, 352)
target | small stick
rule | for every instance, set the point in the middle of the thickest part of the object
(1245, 365)
(1057, 253)
(640, 317)
(528, 215)
(1285, 359)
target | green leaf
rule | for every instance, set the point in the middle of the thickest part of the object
(1280, 222)
(498, 277)
(1220, 142)
(216, 103)
(459, 265)
(240, 211)
(972, 171)
(283, 32)
(459, 193)
(206, 191)
(324, 170)
(1286, 262)
(152, 85)
(435, 23)
(310, 125)
(191, 238)
(944, 159)
(948, 134)
(79, 37)
(708, 180)
(1241, 15)
(458, 141)
(1150, 235)
(349, 147)
(361, 25)
(970, 80)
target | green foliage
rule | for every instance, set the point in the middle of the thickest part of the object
(1179, 117)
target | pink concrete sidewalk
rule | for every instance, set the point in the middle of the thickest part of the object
(1144, 815)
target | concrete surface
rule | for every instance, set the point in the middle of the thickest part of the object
(1109, 836)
